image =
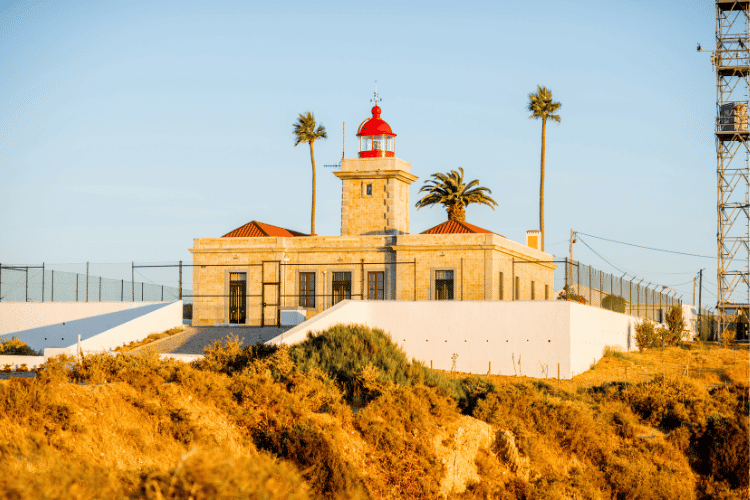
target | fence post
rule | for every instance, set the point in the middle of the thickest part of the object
(415, 277)
(27, 283)
(132, 277)
(42, 281)
(76, 287)
(122, 290)
(181, 279)
(142, 291)
(591, 301)
(362, 289)
(565, 287)
(162, 293)
(87, 281)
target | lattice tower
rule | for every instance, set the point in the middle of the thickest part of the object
(732, 64)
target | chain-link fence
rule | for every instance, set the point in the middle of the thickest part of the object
(587, 285)
(92, 282)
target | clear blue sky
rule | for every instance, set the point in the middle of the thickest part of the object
(128, 129)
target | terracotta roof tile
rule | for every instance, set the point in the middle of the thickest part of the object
(254, 229)
(455, 227)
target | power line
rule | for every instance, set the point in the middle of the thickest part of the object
(648, 248)
(605, 260)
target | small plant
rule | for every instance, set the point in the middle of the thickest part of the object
(727, 336)
(569, 293)
(614, 351)
(645, 336)
(22, 368)
(6, 368)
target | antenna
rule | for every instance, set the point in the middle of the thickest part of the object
(376, 97)
(343, 141)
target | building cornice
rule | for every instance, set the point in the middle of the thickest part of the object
(378, 174)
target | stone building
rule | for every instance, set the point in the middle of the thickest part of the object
(254, 273)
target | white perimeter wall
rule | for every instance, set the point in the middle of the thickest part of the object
(19, 316)
(516, 337)
(102, 326)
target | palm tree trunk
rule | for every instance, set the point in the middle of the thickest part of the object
(541, 185)
(312, 219)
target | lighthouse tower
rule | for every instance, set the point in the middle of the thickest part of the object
(375, 186)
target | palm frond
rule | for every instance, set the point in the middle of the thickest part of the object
(304, 129)
(450, 190)
(542, 106)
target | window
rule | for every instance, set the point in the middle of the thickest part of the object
(341, 287)
(307, 289)
(533, 290)
(501, 295)
(546, 292)
(443, 285)
(375, 282)
(368, 190)
(517, 291)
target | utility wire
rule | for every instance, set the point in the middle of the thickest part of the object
(605, 260)
(647, 248)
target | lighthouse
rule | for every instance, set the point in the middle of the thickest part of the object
(375, 186)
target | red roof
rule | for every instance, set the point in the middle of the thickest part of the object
(455, 227)
(375, 125)
(255, 229)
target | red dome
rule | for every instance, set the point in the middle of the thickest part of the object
(375, 125)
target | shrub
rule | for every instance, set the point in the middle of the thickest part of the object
(727, 336)
(722, 450)
(228, 356)
(569, 293)
(614, 303)
(322, 466)
(668, 402)
(15, 347)
(353, 354)
(676, 324)
(645, 336)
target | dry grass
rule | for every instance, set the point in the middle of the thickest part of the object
(260, 422)
(150, 339)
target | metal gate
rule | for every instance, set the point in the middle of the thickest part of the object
(237, 297)
(270, 314)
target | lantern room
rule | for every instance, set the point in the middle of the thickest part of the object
(376, 139)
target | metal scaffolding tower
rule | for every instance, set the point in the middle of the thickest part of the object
(732, 63)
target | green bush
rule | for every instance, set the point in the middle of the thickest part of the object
(614, 303)
(676, 324)
(645, 336)
(15, 347)
(359, 358)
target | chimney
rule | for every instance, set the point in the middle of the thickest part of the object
(533, 238)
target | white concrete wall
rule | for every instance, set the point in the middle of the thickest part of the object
(159, 320)
(516, 337)
(20, 316)
(592, 329)
(16, 361)
(101, 332)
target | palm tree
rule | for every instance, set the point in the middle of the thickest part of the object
(304, 131)
(542, 106)
(451, 192)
